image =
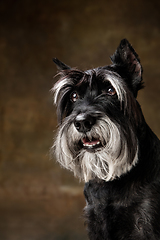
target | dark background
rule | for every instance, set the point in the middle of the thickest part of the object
(38, 199)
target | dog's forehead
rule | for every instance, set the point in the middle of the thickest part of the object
(103, 75)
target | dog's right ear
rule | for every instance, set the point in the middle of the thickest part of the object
(60, 65)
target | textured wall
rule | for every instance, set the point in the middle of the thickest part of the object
(38, 200)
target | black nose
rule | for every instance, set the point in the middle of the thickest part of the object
(84, 123)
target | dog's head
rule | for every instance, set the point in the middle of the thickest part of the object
(99, 116)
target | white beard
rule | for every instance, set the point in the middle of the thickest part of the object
(110, 161)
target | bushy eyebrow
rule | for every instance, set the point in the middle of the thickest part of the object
(76, 78)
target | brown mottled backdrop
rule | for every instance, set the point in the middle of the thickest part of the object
(38, 199)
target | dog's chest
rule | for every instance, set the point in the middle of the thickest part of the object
(112, 216)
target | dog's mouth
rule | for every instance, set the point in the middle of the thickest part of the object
(91, 144)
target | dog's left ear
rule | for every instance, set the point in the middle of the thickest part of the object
(60, 65)
(127, 64)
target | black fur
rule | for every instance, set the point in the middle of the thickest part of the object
(126, 206)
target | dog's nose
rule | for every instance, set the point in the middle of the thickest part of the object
(83, 123)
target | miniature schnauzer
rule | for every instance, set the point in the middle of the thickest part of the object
(104, 139)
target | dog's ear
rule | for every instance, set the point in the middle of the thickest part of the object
(128, 65)
(60, 65)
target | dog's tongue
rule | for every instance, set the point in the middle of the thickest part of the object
(88, 143)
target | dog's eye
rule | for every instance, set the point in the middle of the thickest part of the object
(74, 96)
(111, 91)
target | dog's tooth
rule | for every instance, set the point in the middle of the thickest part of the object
(90, 144)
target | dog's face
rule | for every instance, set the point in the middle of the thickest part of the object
(99, 116)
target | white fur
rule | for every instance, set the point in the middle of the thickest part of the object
(58, 86)
(114, 79)
(106, 163)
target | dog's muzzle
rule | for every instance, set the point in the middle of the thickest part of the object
(83, 124)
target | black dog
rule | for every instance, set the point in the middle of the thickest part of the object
(104, 139)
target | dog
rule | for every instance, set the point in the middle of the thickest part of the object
(105, 141)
